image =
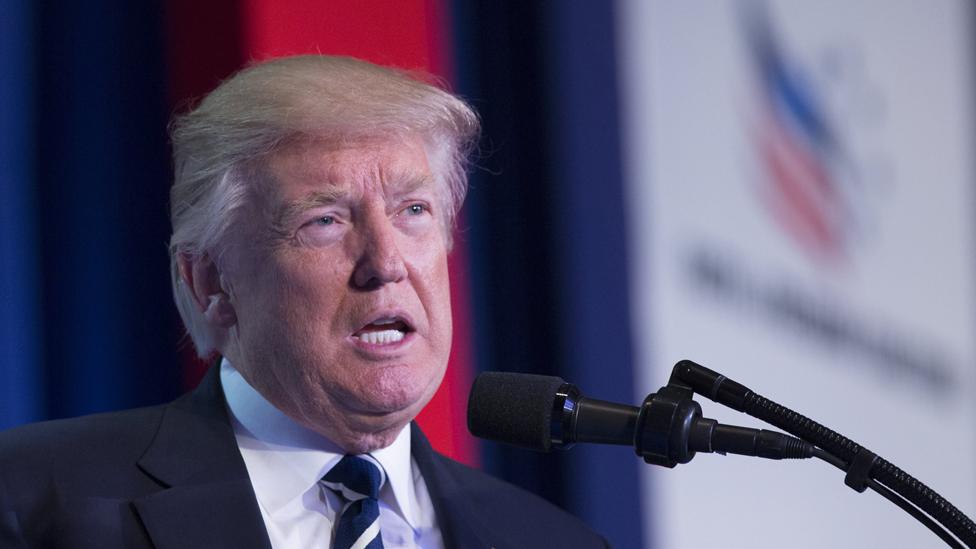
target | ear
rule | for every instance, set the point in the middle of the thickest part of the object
(201, 275)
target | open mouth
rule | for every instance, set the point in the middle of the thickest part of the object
(384, 331)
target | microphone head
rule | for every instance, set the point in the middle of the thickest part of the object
(513, 408)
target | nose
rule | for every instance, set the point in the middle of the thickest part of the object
(380, 261)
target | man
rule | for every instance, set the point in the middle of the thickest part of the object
(312, 210)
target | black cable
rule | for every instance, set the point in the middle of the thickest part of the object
(830, 458)
(915, 512)
(881, 489)
(883, 471)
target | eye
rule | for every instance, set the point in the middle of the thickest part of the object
(324, 220)
(415, 209)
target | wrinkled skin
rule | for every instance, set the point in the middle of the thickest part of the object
(337, 237)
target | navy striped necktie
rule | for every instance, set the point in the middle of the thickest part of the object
(358, 479)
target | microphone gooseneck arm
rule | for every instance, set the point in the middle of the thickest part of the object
(864, 468)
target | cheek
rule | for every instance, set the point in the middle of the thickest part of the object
(437, 296)
(289, 294)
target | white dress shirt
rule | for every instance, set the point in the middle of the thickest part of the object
(286, 461)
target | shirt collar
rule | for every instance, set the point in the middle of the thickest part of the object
(285, 459)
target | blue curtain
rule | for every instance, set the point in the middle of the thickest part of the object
(88, 321)
(20, 375)
(546, 233)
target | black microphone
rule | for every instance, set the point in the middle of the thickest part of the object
(542, 412)
(539, 412)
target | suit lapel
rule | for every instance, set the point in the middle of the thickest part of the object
(216, 515)
(460, 525)
(208, 500)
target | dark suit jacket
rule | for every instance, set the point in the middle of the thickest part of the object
(171, 477)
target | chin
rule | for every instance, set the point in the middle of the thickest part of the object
(361, 432)
(394, 390)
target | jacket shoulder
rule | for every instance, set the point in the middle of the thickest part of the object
(76, 451)
(95, 434)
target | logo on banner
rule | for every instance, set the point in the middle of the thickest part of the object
(813, 184)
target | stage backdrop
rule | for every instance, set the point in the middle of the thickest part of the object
(800, 185)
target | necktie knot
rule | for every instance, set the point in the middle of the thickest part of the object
(355, 477)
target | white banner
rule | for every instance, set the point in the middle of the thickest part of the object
(800, 185)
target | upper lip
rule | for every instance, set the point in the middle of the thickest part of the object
(388, 315)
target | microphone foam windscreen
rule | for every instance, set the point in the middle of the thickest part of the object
(513, 408)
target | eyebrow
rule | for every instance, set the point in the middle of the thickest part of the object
(287, 213)
(411, 184)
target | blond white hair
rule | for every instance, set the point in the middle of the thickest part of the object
(217, 145)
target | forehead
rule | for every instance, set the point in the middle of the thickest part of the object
(312, 164)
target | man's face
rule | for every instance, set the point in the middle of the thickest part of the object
(338, 275)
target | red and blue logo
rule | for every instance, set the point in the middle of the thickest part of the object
(810, 181)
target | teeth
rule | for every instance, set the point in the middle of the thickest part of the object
(382, 337)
